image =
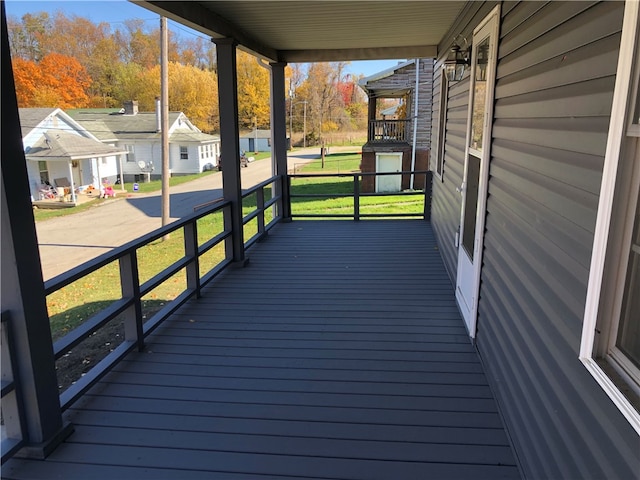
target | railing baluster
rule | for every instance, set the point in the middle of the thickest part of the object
(228, 226)
(191, 250)
(130, 283)
(260, 207)
(356, 196)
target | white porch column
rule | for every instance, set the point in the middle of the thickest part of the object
(279, 135)
(230, 140)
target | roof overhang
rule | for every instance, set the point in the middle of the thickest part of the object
(63, 146)
(320, 31)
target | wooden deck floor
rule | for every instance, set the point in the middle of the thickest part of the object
(337, 353)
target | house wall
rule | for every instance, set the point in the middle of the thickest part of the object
(248, 145)
(146, 152)
(555, 80)
(179, 166)
(405, 78)
(368, 164)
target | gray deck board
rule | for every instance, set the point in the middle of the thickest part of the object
(338, 352)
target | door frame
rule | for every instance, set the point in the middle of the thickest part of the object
(492, 22)
(399, 156)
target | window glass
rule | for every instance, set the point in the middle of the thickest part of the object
(628, 339)
(442, 123)
(44, 172)
(479, 95)
(131, 156)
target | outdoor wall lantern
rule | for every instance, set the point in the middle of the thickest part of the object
(456, 62)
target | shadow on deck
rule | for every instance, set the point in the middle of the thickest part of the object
(338, 352)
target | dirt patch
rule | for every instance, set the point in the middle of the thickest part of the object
(74, 364)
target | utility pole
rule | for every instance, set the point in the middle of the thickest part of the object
(164, 109)
(290, 116)
(304, 128)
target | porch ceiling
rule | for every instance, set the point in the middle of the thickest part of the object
(320, 31)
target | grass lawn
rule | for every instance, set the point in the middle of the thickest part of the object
(155, 185)
(41, 214)
(344, 163)
(333, 163)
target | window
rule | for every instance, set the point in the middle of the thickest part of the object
(442, 124)
(44, 172)
(131, 154)
(184, 153)
(610, 347)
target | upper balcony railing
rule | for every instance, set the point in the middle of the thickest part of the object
(388, 131)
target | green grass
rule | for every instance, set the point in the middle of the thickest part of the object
(333, 163)
(344, 163)
(41, 214)
(155, 185)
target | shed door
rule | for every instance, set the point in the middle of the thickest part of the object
(476, 168)
(388, 162)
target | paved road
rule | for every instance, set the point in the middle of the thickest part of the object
(68, 241)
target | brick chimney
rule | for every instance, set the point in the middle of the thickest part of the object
(131, 107)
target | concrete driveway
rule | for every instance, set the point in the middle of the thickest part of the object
(69, 241)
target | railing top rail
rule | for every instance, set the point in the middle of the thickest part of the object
(355, 174)
(80, 271)
(400, 120)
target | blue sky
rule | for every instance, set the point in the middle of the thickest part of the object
(116, 11)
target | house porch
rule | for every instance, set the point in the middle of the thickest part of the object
(338, 352)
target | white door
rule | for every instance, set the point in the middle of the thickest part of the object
(476, 169)
(388, 162)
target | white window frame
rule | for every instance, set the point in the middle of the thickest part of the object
(442, 125)
(131, 153)
(184, 151)
(600, 304)
(45, 171)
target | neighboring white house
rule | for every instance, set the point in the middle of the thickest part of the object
(256, 141)
(59, 150)
(138, 133)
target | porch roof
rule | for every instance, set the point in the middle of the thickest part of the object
(320, 31)
(60, 145)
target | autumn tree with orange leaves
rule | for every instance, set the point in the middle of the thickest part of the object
(55, 81)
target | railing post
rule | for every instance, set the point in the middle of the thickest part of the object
(428, 187)
(191, 250)
(356, 196)
(130, 284)
(286, 183)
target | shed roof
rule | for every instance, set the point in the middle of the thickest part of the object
(259, 134)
